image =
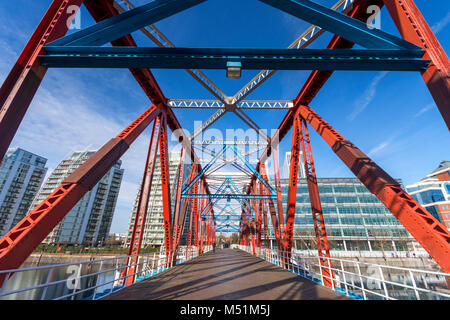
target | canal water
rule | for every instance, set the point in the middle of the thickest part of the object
(69, 279)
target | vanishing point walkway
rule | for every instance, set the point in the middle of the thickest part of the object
(229, 274)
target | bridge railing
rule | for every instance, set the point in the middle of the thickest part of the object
(363, 280)
(86, 280)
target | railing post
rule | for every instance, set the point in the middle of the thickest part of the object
(344, 278)
(77, 282)
(2, 287)
(362, 282)
(49, 278)
(383, 282)
(98, 278)
(414, 285)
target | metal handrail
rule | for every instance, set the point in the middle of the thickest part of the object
(312, 269)
(146, 265)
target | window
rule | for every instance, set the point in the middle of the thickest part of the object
(344, 189)
(368, 199)
(434, 212)
(327, 199)
(350, 210)
(429, 196)
(346, 199)
(329, 209)
(326, 189)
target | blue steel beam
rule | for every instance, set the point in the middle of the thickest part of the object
(256, 173)
(211, 204)
(202, 172)
(124, 24)
(251, 59)
(227, 196)
(340, 24)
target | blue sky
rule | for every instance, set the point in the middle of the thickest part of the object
(389, 115)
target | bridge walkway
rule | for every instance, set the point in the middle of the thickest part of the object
(227, 274)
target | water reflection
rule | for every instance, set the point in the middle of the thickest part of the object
(68, 280)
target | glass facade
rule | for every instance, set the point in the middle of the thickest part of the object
(355, 219)
(21, 176)
(89, 221)
(433, 193)
(154, 224)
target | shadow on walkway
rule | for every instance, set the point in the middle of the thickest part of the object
(228, 274)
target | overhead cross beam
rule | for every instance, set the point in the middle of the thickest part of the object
(340, 24)
(162, 41)
(256, 59)
(126, 23)
(216, 104)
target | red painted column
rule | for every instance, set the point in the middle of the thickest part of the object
(178, 219)
(323, 247)
(141, 213)
(165, 186)
(23, 81)
(273, 215)
(276, 169)
(189, 235)
(182, 216)
(427, 230)
(293, 179)
(21, 240)
(202, 234)
(196, 218)
(259, 219)
(414, 28)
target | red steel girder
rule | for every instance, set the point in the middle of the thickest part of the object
(196, 216)
(426, 229)
(292, 185)
(182, 216)
(276, 176)
(189, 235)
(414, 28)
(273, 215)
(266, 224)
(177, 226)
(259, 215)
(317, 79)
(142, 207)
(23, 238)
(104, 9)
(26, 76)
(323, 247)
(202, 234)
(165, 186)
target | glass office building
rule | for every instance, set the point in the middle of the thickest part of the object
(355, 219)
(21, 176)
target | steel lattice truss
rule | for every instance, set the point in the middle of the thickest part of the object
(217, 201)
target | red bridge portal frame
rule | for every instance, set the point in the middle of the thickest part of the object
(25, 77)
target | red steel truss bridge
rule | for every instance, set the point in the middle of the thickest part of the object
(215, 203)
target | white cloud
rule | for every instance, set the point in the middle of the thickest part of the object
(379, 148)
(367, 97)
(425, 109)
(440, 25)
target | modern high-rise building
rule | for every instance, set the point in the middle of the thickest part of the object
(154, 224)
(89, 222)
(433, 193)
(21, 176)
(287, 163)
